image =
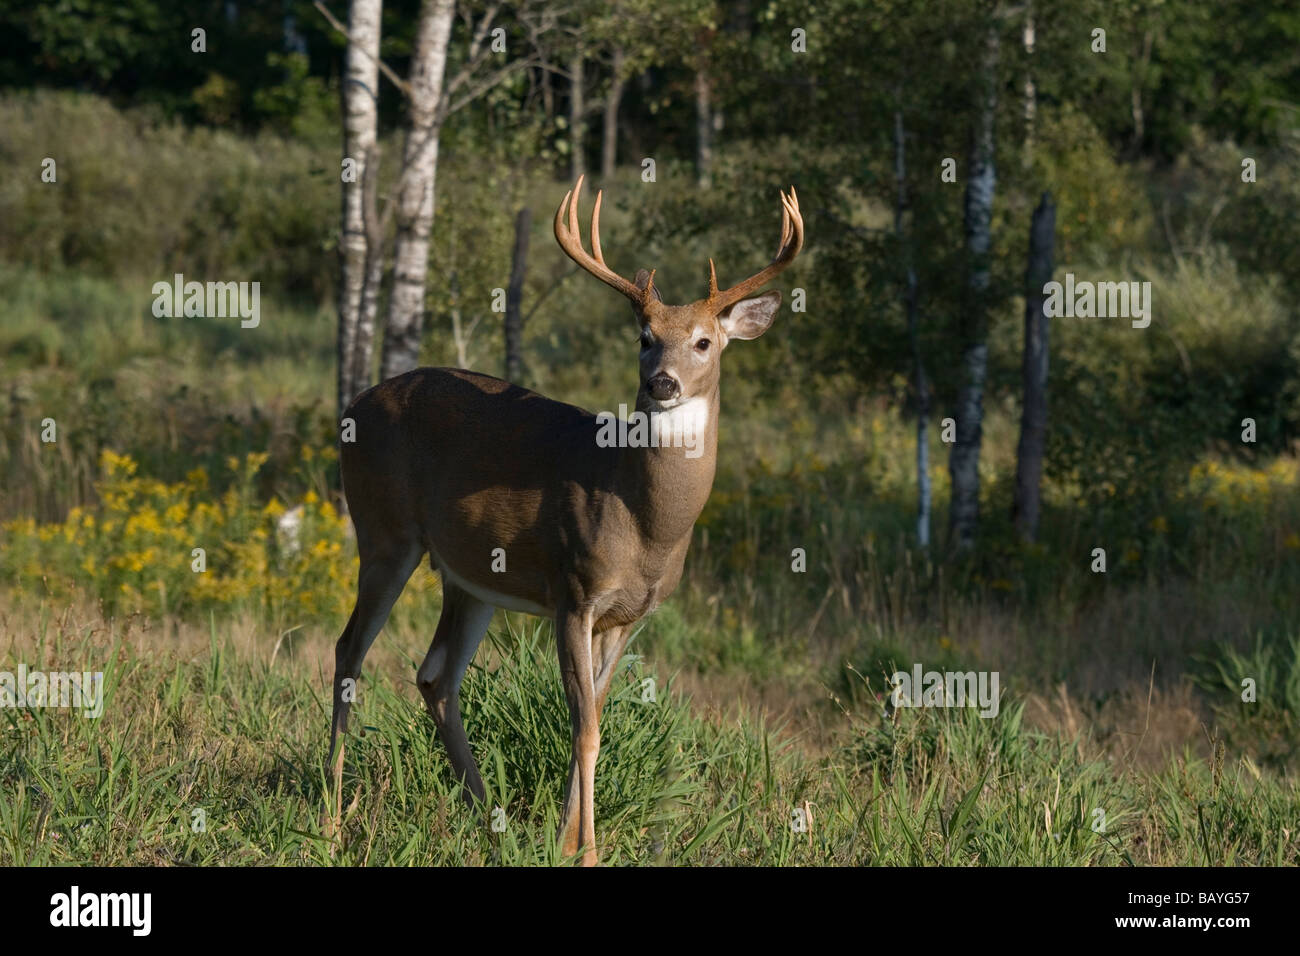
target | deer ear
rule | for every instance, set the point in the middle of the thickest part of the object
(642, 277)
(750, 318)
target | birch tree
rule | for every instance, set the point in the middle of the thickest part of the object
(404, 324)
(431, 97)
(360, 116)
(963, 460)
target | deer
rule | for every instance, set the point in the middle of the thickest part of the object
(519, 506)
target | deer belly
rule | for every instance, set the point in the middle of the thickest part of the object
(488, 594)
(626, 607)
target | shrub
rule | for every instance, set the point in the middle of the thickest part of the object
(136, 552)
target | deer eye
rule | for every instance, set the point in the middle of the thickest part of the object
(646, 339)
(702, 345)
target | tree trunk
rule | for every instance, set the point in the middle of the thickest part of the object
(703, 128)
(405, 322)
(913, 332)
(1139, 77)
(1033, 414)
(548, 95)
(963, 460)
(363, 350)
(360, 109)
(609, 143)
(515, 297)
(577, 118)
(1030, 89)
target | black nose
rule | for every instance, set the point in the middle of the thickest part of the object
(663, 387)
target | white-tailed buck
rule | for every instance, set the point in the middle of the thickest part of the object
(521, 504)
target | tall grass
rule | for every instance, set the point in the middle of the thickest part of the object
(211, 751)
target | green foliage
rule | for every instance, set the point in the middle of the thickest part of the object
(1124, 434)
(260, 63)
(1101, 209)
(646, 772)
(140, 198)
(1269, 722)
(303, 105)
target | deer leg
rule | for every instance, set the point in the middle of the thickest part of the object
(573, 638)
(461, 627)
(607, 651)
(379, 584)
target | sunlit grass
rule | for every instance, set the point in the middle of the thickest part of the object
(211, 751)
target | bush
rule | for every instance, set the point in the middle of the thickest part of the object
(136, 552)
(1268, 724)
(137, 196)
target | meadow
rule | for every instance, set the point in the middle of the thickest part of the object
(751, 727)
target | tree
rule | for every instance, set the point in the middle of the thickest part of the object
(577, 114)
(920, 380)
(360, 116)
(609, 132)
(622, 39)
(972, 323)
(515, 296)
(1033, 413)
(404, 323)
(431, 99)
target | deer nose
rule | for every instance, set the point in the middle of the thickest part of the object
(663, 387)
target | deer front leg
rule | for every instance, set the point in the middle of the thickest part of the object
(573, 640)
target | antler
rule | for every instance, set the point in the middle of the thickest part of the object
(791, 243)
(570, 241)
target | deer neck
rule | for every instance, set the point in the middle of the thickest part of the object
(667, 483)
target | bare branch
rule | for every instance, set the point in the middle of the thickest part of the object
(477, 42)
(477, 55)
(384, 68)
(484, 85)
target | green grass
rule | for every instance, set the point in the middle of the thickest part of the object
(233, 733)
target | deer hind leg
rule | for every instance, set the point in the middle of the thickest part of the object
(606, 652)
(578, 829)
(382, 577)
(461, 627)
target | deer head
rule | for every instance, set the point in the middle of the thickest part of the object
(681, 345)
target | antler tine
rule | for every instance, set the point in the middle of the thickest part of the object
(573, 212)
(595, 228)
(785, 225)
(791, 243)
(570, 239)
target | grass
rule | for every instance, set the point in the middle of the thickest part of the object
(211, 748)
